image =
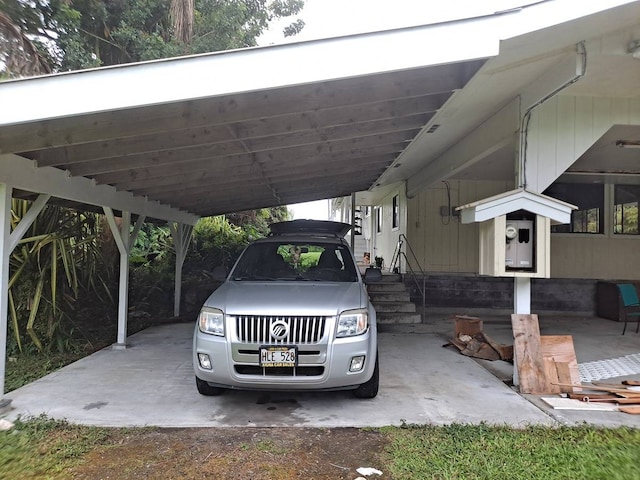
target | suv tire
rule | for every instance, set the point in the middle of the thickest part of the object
(369, 389)
(205, 389)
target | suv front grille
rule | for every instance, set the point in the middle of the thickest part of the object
(302, 330)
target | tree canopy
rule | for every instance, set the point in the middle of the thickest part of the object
(38, 36)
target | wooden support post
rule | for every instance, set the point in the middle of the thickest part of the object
(181, 235)
(125, 238)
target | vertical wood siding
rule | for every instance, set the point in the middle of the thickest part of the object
(441, 244)
(563, 128)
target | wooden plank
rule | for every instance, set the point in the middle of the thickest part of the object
(558, 352)
(505, 351)
(620, 391)
(466, 325)
(478, 349)
(633, 410)
(527, 354)
(595, 397)
(563, 370)
(551, 374)
(592, 397)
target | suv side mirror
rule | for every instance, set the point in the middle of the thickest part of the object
(372, 275)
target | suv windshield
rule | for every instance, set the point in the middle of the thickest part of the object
(284, 260)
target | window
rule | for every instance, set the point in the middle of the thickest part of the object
(395, 219)
(589, 198)
(625, 209)
(378, 211)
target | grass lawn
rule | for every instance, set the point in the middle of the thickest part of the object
(42, 448)
(486, 452)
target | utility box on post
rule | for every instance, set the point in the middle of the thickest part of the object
(515, 232)
(525, 254)
(520, 241)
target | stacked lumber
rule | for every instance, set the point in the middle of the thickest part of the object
(544, 363)
(625, 395)
(471, 341)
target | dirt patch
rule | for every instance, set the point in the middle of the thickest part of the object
(236, 453)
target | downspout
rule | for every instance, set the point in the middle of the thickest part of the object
(522, 285)
(526, 118)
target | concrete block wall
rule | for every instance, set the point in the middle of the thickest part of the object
(445, 291)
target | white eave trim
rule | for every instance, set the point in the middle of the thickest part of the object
(254, 69)
(22, 173)
(513, 201)
(247, 70)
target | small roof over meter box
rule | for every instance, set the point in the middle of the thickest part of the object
(514, 200)
(492, 214)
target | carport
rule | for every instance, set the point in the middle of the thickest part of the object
(177, 139)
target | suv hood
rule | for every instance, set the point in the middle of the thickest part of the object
(287, 298)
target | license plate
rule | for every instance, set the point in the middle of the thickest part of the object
(278, 356)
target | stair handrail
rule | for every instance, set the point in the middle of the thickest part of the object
(395, 264)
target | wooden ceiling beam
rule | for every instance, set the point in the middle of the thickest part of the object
(223, 137)
(234, 181)
(212, 154)
(231, 170)
(300, 122)
(209, 206)
(124, 123)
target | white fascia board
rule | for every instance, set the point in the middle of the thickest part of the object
(547, 14)
(261, 68)
(513, 201)
(240, 71)
(22, 173)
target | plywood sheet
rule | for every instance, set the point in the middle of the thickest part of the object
(559, 403)
(561, 366)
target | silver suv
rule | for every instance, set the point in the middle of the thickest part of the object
(293, 314)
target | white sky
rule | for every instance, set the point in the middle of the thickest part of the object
(318, 210)
(333, 18)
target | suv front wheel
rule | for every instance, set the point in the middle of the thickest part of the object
(205, 389)
(369, 389)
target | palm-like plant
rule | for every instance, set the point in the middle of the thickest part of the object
(19, 55)
(58, 257)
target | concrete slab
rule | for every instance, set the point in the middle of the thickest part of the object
(152, 383)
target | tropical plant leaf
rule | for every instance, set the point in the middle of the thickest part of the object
(54, 274)
(14, 321)
(32, 315)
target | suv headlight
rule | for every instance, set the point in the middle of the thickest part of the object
(352, 322)
(211, 321)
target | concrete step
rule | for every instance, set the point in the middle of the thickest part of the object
(395, 307)
(389, 318)
(386, 287)
(391, 277)
(389, 297)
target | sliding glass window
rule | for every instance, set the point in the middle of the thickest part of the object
(625, 209)
(589, 198)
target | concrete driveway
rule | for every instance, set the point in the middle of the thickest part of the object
(422, 382)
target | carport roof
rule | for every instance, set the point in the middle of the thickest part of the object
(181, 138)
